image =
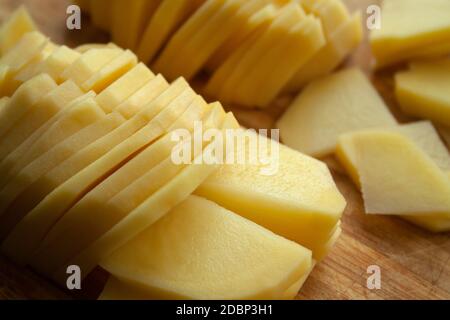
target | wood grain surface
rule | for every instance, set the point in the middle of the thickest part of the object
(415, 264)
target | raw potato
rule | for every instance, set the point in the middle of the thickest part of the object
(328, 107)
(134, 103)
(24, 99)
(54, 167)
(155, 207)
(253, 24)
(408, 26)
(74, 117)
(74, 178)
(129, 19)
(263, 83)
(297, 200)
(101, 13)
(109, 73)
(216, 82)
(31, 69)
(214, 22)
(263, 44)
(14, 28)
(63, 242)
(89, 63)
(18, 242)
(124, 87)
(339, 44)
(424, 91)
(422, 133)
(169, 16)
(37, 115)
(55, 64)
(398, 178)
(26, 49)
(217, 238)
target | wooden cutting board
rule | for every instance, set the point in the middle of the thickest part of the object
(414, 264)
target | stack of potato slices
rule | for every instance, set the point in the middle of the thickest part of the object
(251, 50)
(88, 178)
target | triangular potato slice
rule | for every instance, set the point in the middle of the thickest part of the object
(328, 107)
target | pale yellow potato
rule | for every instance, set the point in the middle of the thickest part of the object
(223, 17)
(156, 206)
(330, 106)
(297, 200)
(167, 18)
(422, 133)
(124, 87)
(19, 57)
(37, 115)
(89, 63)
(55, 64)
(343, 40)
(18, 24)
(32, 68)
(149, 91)
(398, 178)
(24, 99)
(233, 43)
(88, 46)
(246, 67)
(214, 85)
(118, 195)
(76, 176)
(301, 42)
(129, 19)
(64, 162)
(111, 72)
(65, 123)
(408, 26)
(424, 91)
(268, 264)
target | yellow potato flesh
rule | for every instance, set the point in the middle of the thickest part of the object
(129, 20)
(408, 26)
(169, 16)
(217, 237)
(14, 28)
(418, 191)
(299, 201)
(328, 107)
(111, 72)
(425, 92)
(118, 195)
(74, 178)
(124, 87)
(339, 44)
